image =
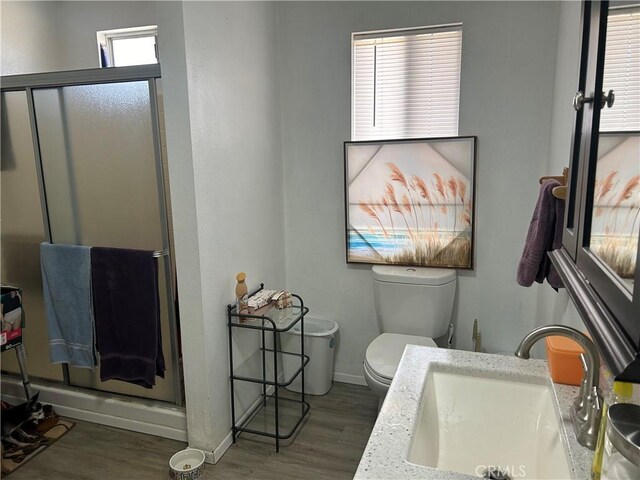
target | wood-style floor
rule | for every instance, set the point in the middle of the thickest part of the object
(329, 446)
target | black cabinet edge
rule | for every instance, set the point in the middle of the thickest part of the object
(615, 347)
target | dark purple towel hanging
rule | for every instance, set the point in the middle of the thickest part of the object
(544, 235)
(127, 315)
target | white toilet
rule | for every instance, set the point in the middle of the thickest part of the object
(413, 306)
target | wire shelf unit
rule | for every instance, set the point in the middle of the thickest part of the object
(273, 415)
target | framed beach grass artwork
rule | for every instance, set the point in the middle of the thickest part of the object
(410, 202)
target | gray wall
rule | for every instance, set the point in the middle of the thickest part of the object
(79, 22)
(52, 36)
(508, 63)
(556, 307)
(226, 183)
(28, 40)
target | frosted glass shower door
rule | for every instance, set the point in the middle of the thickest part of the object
(22, 231)
(99, 152)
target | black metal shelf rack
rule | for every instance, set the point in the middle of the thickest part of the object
(274, 416)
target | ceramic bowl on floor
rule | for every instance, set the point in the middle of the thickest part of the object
(187, 464)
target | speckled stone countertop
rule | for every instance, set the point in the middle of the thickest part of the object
(385, 456)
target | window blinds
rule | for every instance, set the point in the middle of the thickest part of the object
(622, 71)
(406, 84)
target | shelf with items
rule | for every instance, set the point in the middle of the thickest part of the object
(273, 416)
(269, 317)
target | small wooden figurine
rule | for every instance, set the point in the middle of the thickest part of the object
(241, 294)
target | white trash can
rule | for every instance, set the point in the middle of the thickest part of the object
(319, 346)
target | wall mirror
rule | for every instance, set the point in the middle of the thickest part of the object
(616, 193)
(600, 256)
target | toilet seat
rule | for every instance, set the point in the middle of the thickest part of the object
(384, 354)
(369, 372)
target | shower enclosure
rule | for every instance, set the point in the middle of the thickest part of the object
(84, 163)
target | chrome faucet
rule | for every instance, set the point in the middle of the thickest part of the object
(586, 410)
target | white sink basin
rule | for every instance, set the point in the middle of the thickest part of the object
(450, 414)
(469, 422)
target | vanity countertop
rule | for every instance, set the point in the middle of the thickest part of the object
(388, 447)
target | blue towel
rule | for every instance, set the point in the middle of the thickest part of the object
(66, 284)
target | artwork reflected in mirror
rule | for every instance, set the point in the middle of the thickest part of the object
(615, 220)
(410, 202)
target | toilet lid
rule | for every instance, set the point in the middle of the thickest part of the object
(384, 353)
(413, 275)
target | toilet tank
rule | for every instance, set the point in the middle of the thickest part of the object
(413, 300)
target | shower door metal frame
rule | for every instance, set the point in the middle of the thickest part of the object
(138, 73)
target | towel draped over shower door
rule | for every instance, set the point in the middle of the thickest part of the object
(127, 315)
(66, 288)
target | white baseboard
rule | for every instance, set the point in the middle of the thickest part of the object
(221, 449)
(137, 415)
(348, 378)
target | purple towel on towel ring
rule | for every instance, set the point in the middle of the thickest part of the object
(544, 235)
(127, 315)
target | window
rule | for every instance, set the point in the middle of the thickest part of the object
(622, 71)
(406, 83)
(128, 46)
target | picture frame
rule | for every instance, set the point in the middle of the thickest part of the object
(410, 202)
